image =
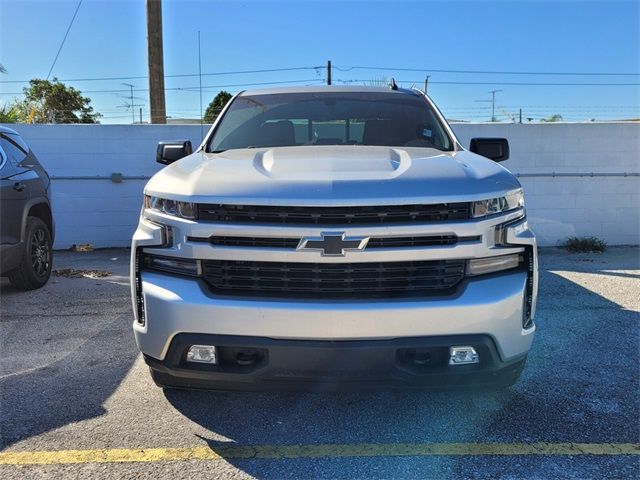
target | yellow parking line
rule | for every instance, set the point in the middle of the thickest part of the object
(276, 452)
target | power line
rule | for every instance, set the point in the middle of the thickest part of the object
(64, 39)
(343, 69)
(607, 107)
(532, 84)
(546, 84)
(180, 75)
(365, 81)
(488, 72)
(284, 82)
(191, 89)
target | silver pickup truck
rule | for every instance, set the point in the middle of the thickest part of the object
(329, 237)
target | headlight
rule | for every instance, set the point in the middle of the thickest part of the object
(492, 206)
(171, 207)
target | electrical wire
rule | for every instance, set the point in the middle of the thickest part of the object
(489, 72)
(189, 89)
(341, 69)
(179, 75)
(529, 84)
(64, 39)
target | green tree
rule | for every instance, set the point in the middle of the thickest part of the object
(553, 118)
(10, 113)
(216, 106)
(54, 102)
(2, 69)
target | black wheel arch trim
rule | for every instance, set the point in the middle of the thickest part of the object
(32, 202)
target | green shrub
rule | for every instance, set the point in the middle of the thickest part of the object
(584, 244)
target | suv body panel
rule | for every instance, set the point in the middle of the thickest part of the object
(24, 184)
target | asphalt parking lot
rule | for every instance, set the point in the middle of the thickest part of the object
(76, 399)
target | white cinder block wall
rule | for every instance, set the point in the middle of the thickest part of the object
(607, 207)
(98, 211)
(104, 213)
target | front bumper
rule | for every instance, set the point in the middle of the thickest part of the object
(487, 306)
(490, 305)
(10, 256)
(333, 365)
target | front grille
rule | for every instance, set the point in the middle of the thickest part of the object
(374, 242)
(333, 280)
(333, 215)
(264, 242)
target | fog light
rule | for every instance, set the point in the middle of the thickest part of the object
(202, 354)
(183, 266)
(463, 355)
(480, 266)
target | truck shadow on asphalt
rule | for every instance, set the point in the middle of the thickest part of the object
(578, 386)
(79, 376)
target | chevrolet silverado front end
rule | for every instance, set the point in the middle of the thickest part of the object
(333, 236)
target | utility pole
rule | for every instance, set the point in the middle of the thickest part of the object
(426, 83)
(140, 115)
(520, 115)
(156, 61)
(133, 111)
(200, 80)
(493, 104)
(328, 72)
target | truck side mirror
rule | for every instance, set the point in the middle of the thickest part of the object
(496, 149)
(170, 151)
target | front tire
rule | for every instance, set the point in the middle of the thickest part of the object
(35, 267)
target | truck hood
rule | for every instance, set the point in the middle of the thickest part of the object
(330, 175)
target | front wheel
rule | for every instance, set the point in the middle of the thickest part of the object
(35, 268)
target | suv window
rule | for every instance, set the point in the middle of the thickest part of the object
(391, 119)
(17, 139)
(12, 150)
(6, 167)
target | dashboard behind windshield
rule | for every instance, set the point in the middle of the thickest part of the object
(391, 119)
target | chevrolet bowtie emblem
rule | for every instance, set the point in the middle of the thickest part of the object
(333, 244)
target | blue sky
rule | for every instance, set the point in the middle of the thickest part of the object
(108, 39)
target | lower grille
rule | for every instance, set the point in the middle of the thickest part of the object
(333, 280)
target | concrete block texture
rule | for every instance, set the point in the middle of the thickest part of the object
(105, 214)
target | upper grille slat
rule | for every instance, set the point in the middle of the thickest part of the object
(374, 242)
(333, 215)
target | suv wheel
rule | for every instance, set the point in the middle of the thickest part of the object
(35, 268)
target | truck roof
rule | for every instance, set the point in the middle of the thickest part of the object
(329, 88)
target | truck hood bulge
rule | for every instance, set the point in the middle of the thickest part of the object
(332, 175)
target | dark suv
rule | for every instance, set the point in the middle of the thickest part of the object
(26, 223)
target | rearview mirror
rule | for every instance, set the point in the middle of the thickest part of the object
(496, 149)
(170, 151)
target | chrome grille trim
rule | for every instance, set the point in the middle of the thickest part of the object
(374, 242)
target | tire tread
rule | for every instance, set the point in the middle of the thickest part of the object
(20, 276)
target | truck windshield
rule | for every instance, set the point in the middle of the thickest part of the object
(393, 119)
